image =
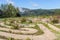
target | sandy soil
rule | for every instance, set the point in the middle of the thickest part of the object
(48, 35)
(2, 39)
(52, 26)
(28, 30)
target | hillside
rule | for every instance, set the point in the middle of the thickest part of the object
(39, 12)
(12, 11)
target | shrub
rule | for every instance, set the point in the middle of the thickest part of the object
(30, 21)
(10, 39)
(23, 20)
(28, 39)
(15, 27)
(39, 32)
(55, 21)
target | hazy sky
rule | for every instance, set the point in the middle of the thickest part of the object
(34, 4)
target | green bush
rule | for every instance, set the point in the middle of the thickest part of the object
(55, 21)
(15, 27)
(30, 21)
(23, 20)
(39, 32)
(10, 39)
(28, 39)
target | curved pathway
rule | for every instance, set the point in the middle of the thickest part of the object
(28, 30)
(2, 39)
(48, 35)
(52, 26)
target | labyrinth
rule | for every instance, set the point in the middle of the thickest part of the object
(28, 29)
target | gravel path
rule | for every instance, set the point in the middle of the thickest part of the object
(52, 26)
(2, 39)
(28, 30)
(15, 36)
(48, 35)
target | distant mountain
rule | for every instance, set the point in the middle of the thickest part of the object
(9, 10)
(36, 12)
(24, 9)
